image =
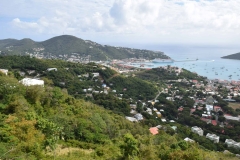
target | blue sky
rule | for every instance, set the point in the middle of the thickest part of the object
(124, 21)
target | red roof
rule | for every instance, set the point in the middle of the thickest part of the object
(217, 107)
(180, 109)
(214, 122)
(154, 130)
(193, 110)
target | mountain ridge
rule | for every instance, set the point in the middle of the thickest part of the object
(68, 44)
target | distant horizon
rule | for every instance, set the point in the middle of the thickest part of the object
(148, 46)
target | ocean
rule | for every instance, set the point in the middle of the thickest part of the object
(209, 63)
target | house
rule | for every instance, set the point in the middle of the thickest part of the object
(52, 69)
(231, 118)
(170, 98)
(164, 120)
(133, 106)
(213, 137)
(138, 116)
(174, 128)
(188, 140)
(217, 108)
(180, 109)
(214, 122)
(197, 130)
(5, 71)
(159, 114)
(194, 81)
(209, 107)
(154, 130)
(232, 143)
(31, 82)
(131, 119)
(95, 74)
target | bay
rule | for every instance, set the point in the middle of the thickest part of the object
(209, 63)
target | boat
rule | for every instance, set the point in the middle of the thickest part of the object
(160, 60)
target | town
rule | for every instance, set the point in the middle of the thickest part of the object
(208, 108)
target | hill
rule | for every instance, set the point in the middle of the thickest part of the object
(47, 123)
(66, 47)
(235, 56)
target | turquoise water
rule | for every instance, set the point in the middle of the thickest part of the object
(209, 63)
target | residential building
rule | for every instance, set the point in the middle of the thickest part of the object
(232, 143)
(138, 116)
(154, 130)
(5, 71)
(31, 82)
(213, 137)
(131, 119)
(231, 118)
(188, 140)
(52, 69)
(197, 130)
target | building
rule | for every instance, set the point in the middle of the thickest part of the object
(5, 71)
(131, 119)
(189, 140)
(209, 107)
(231, 118)
(154, 130)
(213, 137)
(52, 69)
(197, 130)
(31, 82)
(95, 74)
(138, 116)
(232, 143)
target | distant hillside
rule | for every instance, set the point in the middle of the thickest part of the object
(235, 56)
(66, 46)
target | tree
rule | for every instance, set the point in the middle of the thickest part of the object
(221, 119)
(130, 146)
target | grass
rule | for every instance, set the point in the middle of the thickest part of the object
(234, 105)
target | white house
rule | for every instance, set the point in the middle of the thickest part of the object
(231, 118)
(95, 74)
(131, 119)
(213, 137)
(138, 116)
(189, 140)
(232, 143)
(209, 107)
(5, 71)
(52, 69)
(197, 130)
(31, 82)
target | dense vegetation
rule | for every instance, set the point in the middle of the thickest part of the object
(37, 121)
(65, 45)
(46, 122)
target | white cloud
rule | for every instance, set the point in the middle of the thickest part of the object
(153, 20)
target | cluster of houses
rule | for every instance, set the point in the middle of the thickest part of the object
(215, 138)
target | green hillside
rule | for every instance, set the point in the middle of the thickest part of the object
(47, 123)
(62, 47)
(235, 56)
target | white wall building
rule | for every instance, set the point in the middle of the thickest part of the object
(197, 130)
(232, 143)
(31, 82)
(213, 137)
(5, 71)
(52, 69)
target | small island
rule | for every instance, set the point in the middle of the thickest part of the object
(235, 56)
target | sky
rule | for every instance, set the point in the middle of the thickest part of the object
(195, 22)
